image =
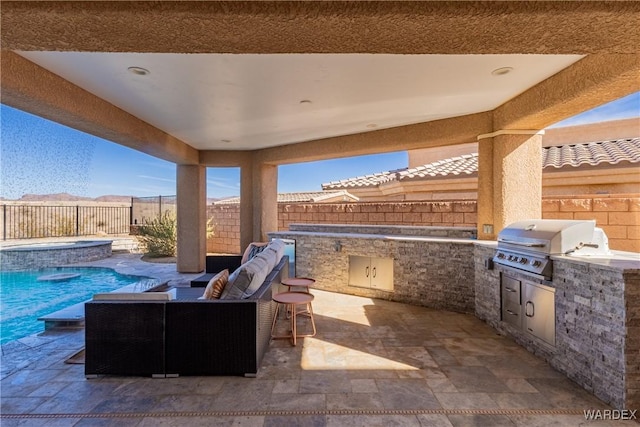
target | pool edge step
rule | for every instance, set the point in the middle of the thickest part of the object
(68, 316)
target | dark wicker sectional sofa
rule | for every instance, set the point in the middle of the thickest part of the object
(183, 336)
(215, 264)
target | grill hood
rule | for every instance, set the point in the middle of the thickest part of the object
(527, 245)
(554, 237)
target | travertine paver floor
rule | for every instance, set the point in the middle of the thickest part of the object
(372, 363)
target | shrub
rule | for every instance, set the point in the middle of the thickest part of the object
(159, 236)
(211, 230)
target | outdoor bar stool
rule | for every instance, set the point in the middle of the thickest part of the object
(291, 300)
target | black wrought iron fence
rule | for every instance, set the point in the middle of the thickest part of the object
(36, 221)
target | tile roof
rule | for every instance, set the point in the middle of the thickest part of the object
(463, 165)
(466, 164)
(303, 197)
(592, 153)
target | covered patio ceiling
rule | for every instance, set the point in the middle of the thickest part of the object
(312, 80)
(255, 101)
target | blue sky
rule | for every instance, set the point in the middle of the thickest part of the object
(38, 156)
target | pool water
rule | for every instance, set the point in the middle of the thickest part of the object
(24, 298)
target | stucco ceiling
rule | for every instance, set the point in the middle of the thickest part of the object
(252, 101)
(413, 72)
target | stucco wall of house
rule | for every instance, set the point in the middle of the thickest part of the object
(618, 215)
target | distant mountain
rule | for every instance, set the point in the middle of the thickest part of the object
(58, 197)
(66, 197)
(114, 199)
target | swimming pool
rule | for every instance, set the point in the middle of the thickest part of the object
(24, 298)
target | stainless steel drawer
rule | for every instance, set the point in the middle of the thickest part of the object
(512, 314)
(511, 301)
(510, 289)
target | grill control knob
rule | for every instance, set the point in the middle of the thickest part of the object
(536, 263)
(523, 260)
(500, 255)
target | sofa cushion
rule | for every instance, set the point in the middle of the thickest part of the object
(277, 246)
(270, 257)
(247, 279)
(252, 250)
(216, 285)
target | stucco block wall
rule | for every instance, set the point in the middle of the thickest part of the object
(445, 213)
(225, 220)
(618, 215)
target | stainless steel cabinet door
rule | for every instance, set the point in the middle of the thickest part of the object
(367, 272)
(539, 311)
(382, 273)
(359, 271)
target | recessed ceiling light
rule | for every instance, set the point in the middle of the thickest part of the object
(139, 71)
(305, 101)
(226, 141)
(502, 71)
(372, 125)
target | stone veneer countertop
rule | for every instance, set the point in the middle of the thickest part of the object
(391, 237)
(617, 260)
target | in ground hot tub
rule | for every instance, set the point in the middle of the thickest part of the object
(54, 254)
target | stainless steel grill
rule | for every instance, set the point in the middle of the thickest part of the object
(528, 245)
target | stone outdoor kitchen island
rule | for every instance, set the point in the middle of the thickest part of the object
(597, 321)
(430, 266)
(597, 300)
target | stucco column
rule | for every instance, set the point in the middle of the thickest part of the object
(258, 202)
(265, 200)
(246, 205)
(192, 218)
(509, 179)
(485, 190)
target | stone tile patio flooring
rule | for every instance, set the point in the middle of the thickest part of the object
(372, 363)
